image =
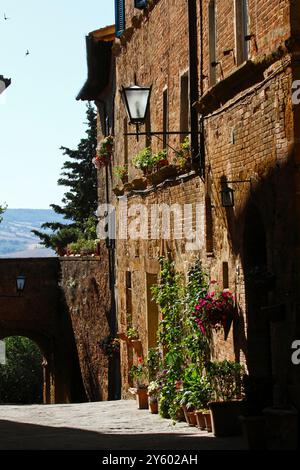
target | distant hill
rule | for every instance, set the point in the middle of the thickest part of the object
(16, 239)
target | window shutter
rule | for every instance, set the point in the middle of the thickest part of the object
(140, 4)
(120, 17)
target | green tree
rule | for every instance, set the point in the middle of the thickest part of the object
(21, 378)
(79, 203)
(2, 210)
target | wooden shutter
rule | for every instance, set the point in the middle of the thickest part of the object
(120, 17)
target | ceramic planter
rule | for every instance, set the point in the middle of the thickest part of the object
(142, 398)
(208, 421)
(189, 416)
(201, 424)
(153, 405)
(225, 417)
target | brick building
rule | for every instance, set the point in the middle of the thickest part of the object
(222, 73)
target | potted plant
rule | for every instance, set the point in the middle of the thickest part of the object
(182, 158)
(153, 395)
(215, 310)
(104, 152)
(121, 173)
(226, 378)
(139, 374)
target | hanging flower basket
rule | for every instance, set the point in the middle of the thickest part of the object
(215, 310)
(104, 153)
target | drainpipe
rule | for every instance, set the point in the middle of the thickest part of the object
(193, 78)
(201, 121)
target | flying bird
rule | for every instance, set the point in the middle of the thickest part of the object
(6, 17)
(27, 52)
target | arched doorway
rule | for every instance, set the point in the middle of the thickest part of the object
(257, 287)
(21, 377)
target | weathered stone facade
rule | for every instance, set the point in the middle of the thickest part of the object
(39, 314)
(85, 283)
(247, 124)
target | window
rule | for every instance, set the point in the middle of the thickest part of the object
(184, 105)
(140, 4)
(212, 42)
(241, 30)
(225, 273)
(165, 119)
(120, 17)
(209, 225)
(152, 312)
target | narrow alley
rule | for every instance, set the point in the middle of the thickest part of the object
(112, 425)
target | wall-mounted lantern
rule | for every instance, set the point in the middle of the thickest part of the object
(227, 197)
(136, 100)
(20, 284)
(227, 193)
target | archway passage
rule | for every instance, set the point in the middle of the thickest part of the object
(259, 358)
(21, 377)
(40, 314)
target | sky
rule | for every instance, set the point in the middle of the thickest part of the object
(38, 111)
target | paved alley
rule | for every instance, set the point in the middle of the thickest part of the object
(115, 425)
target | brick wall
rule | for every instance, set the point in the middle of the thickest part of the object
(88, 299)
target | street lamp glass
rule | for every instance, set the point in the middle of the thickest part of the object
(20, 281)
(227, 197)
(136, 101)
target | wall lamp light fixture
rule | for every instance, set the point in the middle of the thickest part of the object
(227, 193)
(136, 100)
(20, 285)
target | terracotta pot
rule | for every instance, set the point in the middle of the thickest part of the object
(153, 405)
(201, 424)
(189, 416)
(142, 398)
(225, 417)
(208, 421)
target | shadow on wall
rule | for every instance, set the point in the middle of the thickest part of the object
(263, 233)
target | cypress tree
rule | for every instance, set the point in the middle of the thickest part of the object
(79, 202)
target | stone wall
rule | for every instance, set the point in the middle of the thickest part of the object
(86, 286)
(248, 124)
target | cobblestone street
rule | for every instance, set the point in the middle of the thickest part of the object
(115, 425)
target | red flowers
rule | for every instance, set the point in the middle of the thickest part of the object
(214, 310)
(104, 153)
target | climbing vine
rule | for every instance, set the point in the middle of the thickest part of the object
(178, 337)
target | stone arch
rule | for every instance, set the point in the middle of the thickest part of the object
(45, 344)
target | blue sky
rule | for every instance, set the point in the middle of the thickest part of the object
(38, 112)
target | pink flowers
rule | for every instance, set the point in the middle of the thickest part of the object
(214, 309)
(104, 153)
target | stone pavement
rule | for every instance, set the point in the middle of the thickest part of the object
(114, 425)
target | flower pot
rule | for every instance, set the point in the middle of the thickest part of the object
(200, 418)
(153, 405)
(207, 419)
(189, 416)
(254, 431)
(142, 398)
(225, 417)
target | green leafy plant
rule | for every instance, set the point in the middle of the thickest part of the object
(182, 157)
(153, 363)
(139, 374)
(120, 172)
(148, 162)
(226, 378)
(110, 345)
(132, 333)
